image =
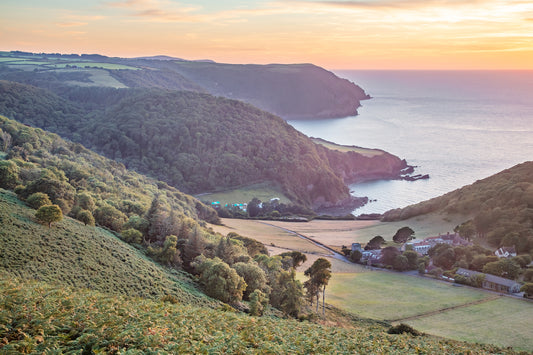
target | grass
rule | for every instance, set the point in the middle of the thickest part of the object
(504, 321)
(80, 256)
(332, 233)
(267, 235)
(263, 191)
(387, 295)
(38, 318)
(346, 148)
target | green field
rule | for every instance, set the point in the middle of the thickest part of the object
(393, 296)
(504, 321)
(263, 191)
(346, 148)
(390, 295)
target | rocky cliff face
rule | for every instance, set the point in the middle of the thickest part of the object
(354, 167)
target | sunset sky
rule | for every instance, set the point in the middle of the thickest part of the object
(361, 34)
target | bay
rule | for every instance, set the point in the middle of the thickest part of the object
(456, 126)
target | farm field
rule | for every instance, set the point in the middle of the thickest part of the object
(390, 295)
(338, 233)
(268, 235)
(505, 321)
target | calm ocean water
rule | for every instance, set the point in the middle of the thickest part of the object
(457, 126)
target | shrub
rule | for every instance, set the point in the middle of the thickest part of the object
(37, 200)
(86, 217)
(403, 328)
(132, 235)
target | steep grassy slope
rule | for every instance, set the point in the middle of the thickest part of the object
(36, 317)
(498, 208)
(197, 142)
(83, 257)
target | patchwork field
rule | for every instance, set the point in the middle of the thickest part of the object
(503, 321)
(460, 313)
(485, 318)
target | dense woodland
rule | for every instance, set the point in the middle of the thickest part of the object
(195, 142)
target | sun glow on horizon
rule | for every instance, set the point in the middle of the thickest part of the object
(379, 34)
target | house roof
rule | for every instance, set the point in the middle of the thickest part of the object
(488, 277)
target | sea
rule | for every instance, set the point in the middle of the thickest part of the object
(456, 126)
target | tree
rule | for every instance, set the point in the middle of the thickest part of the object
(49, 214)
(85, 201)
(295, 258)
(527, 289)
(37, 200)
(319, 274)
(375, 243)
(287, 294)
(412, 258)
(9, 174)
(220, 281)
(258, 302)
(254, 277)
(466, 230)
(355, 256)
(401, 263)
(132, 235)
(110, 217)
(504, 268)
(86, 217)
(388, 255)
(254, 207)
(403, 235)
(193, 247)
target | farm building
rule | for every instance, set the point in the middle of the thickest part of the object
(493, 283)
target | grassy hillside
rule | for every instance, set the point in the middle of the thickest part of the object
(498, 209)
(36, 317)
(196, 142)
(83, 257)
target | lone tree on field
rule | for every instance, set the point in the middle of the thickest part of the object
(49, 214)
(319, 274)
(403, 234)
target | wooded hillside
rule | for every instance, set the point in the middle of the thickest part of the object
(498, 208)
(195, 142)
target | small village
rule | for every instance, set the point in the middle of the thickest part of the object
(374, 257)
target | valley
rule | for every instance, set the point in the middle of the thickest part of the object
(115, 146)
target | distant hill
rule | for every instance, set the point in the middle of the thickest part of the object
(290, 91)
(197, 142)
(498, 208)
(287, 90)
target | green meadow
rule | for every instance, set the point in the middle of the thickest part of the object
(480, 317)
(503, 321)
